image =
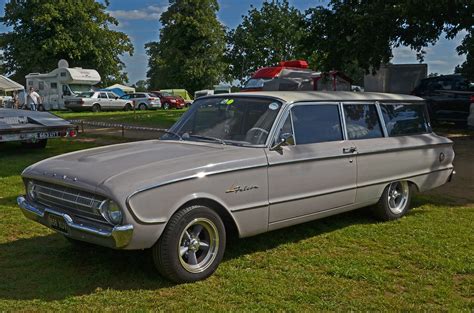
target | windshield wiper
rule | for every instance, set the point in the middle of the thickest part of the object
(208, 138)
(172, 133)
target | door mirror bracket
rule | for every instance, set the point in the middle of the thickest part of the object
(284, 139)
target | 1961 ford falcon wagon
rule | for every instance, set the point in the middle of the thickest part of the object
(249, 163)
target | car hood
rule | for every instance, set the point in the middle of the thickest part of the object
(125, 168)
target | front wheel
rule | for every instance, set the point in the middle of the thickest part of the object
(166, 106)
(40, 144)
(96, 108)
(191, 246)
(394, 202)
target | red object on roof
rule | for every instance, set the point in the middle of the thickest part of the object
(294, 63)
(268, 72)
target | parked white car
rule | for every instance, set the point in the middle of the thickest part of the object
(97, 101)
(143, 101)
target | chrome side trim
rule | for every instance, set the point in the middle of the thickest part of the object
(359, 154)
(121, 234)
(177, 180)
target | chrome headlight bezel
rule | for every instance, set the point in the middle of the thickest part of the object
(31, 190)
(111, 212)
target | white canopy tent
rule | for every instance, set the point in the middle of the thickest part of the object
(125, 89)
(6, 84)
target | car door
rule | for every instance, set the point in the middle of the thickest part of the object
(317, 171)
(115, 104)
(104, 101)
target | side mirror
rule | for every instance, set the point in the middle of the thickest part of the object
(284, 139)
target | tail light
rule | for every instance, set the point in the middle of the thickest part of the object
(72, 133)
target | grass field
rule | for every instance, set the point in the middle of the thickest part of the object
(423, 261)
(156, 118)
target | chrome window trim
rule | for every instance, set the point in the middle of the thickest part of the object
(343, 120)
(381, 119)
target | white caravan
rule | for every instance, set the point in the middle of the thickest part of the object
(61, 84)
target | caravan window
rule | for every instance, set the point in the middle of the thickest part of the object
(66, 91)
(41, 85)
(54, 85)
(63, 74)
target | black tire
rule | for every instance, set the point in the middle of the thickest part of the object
(385, 210)
(142, 107)
(41, 108)
(96, 108)
(127, 107)
(166, 106)
(173, 265)
(40, 144)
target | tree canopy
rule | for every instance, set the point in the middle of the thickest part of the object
(190, 51)
(265, 37)
(365, 32)
(46, 31)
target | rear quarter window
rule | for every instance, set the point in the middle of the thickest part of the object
(405, 119)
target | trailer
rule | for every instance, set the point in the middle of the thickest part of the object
(32, 128)
(61, 84)
(395, 78)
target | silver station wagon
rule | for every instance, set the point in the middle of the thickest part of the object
(246, 163)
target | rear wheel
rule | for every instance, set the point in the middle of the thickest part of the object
(142, 107)
(96, 108)
(191, 246)
(395, 201)
(127, 107)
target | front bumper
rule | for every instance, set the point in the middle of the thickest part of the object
(117, 237)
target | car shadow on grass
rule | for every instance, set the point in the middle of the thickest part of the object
(50, 268)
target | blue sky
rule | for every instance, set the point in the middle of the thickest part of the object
(139, 20)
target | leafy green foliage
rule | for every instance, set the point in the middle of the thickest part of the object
(190, 51)
(141, 85)
(265, 37)
(365, 32)
(44, 31)
(467, 48)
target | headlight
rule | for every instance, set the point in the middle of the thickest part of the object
(111, 212)
(31, 190)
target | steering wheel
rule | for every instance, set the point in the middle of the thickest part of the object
(257, 137)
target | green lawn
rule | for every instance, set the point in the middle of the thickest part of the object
(422, 262)
(157, 118)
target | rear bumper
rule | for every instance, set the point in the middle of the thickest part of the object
(451, 176)
(117, 237)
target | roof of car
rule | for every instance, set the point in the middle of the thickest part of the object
(296, 96)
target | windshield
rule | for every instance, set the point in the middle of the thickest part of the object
(85, 94)
(230, 120)
(78, 88)
(254, 83)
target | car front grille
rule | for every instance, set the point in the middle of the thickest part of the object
(75, 202)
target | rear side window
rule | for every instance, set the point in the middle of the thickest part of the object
(405, 119)
(362, 121)
(316, 123)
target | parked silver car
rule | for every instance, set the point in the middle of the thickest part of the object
(143, 101)
(97, 101)
(246, 163)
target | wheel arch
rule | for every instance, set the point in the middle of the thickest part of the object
(230, 224)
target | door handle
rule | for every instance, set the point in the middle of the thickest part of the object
(349, 150)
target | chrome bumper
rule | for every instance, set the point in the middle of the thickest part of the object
(118, 237)
(451, 176)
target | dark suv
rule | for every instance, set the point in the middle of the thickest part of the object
(448, 97)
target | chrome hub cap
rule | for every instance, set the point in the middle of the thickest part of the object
(198, 245)
(398, 196)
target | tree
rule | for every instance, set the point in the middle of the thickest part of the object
(141, 85)
(265, 37)
(45, 31)
(190, 51)
(365, 32)
(467, 48)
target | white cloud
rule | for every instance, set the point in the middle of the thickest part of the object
(152, 12)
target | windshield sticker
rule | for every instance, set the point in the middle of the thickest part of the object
(273, 106)
(230, 101)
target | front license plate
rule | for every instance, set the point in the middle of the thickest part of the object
(58, 223)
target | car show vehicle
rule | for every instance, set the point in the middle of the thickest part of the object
(97, 101)
(243, 163)
(32, 128)
(448, 97)
(296, 75)
(143, 101)
(57, 87)
(168, 101)
(183, 93)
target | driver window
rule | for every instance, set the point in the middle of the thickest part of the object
(66, 91)
(286, 128)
